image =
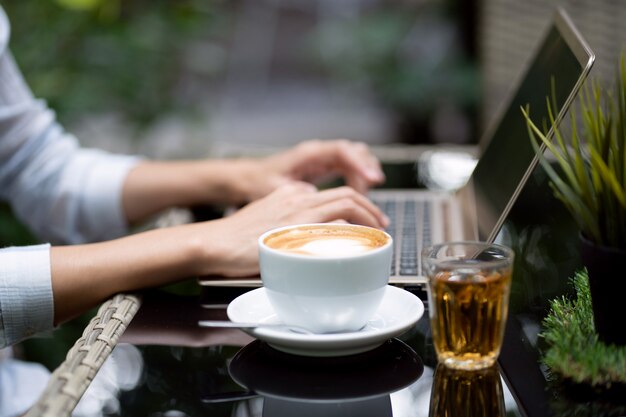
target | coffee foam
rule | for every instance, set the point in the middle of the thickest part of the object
(335, 247)
(326, 241)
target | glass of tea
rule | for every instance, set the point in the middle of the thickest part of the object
(469, 286)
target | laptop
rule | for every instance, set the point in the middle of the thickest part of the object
(477, 210)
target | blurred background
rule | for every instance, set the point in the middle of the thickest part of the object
(193, 78)
(181, 78)
(184, 78)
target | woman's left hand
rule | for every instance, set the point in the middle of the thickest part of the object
(313, 161)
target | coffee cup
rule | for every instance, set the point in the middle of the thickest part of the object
(328, 277)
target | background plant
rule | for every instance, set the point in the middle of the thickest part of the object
(127, 58)
(592, 163)
(103, 56)
(412, 57)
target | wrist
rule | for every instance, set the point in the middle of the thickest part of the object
(239, 180)
(215, 252)
(222, 182)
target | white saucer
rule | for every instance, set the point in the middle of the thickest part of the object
(398, 311)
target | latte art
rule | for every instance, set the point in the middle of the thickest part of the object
(334, 247)
(327, 241)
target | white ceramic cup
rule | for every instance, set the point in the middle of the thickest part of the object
(338, 289)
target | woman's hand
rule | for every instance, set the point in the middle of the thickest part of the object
(313, 161)
(234, 238)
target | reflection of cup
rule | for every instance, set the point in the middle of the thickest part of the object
(370, 407)
(355, 385)
(458, 392)
(469, 295)
(325, 277)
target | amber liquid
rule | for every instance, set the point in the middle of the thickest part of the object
(458, 393)
(468, 313)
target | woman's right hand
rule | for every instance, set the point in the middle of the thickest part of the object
(231, 242)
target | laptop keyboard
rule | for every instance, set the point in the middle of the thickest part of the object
(410, 229)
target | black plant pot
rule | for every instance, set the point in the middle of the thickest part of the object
(606, 267)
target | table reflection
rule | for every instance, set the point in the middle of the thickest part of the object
(121, 372)
(357, 385)
(467, 393)
(181, 369)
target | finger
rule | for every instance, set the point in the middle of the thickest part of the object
(348, 210)
(315, 160)
(358, 183)
(356, 157)
(289, 195)
(347, 193)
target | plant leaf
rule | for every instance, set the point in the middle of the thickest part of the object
(575, 205)
(609, 177)
(565, 166)
(581, 171)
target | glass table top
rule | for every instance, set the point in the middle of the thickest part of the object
(166, 365)
(180, 369)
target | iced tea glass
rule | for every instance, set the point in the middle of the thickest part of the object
(469, 286)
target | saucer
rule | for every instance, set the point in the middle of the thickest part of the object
(398, 311)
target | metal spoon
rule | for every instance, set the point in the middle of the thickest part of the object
(242, 325)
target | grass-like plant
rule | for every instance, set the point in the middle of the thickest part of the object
(592, 163)
(574, 352)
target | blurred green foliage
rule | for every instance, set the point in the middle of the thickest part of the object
(413, 56)
(12, 232)
(127, 57)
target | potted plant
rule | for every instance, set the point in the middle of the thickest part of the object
(588, 177)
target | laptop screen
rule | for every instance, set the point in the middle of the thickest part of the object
(534, 223)
(509, 157)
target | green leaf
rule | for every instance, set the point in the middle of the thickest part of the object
(580, 169)
(80, 4)
(575, 205)
(567, 169)
(608, 176)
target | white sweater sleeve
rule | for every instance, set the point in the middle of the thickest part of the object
(26, 304)
(64, 193)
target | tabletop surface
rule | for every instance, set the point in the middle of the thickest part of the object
(182, 369)
(166, 365)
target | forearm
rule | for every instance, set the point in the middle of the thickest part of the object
(85, 275)
(151, 187)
